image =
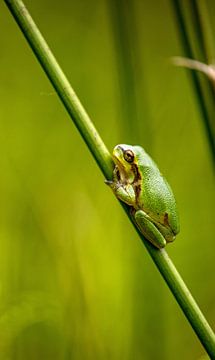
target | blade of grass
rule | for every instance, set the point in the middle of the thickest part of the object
(202, 52)
(121, 14)
(132, 97)
(103, 158)
(206, 29)
(204, 93)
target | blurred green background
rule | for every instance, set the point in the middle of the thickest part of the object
(75, 280)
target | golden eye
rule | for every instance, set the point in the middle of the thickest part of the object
(129, 156)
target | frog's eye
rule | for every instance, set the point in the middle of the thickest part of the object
(129, 156)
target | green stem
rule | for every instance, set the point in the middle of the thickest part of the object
(206, 29)
(204, 94)
(121, 13)
(103, 158)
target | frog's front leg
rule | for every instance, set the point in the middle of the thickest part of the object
(149, 230)
(123, 192)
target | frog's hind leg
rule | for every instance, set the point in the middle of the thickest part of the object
(149, 230)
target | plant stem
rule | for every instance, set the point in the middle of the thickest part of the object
(121, 14)
(203, 89)
(103, 158)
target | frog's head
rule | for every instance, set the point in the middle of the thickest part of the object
(126, 160)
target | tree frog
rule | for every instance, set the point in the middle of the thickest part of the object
(138, 182)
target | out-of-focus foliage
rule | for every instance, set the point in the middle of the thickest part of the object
(75, 280)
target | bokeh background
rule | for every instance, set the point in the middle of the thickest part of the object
(75, 280)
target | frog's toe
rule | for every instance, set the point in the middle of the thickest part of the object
(108, 182)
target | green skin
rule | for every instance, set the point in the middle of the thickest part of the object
(138, 182)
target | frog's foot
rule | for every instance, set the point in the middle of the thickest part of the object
(124, 193)
(167, 232)
(108, 182)
(149, 230)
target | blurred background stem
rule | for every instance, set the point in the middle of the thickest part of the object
(197, 45)
(122, 14)
(103, 158)
(132, 97)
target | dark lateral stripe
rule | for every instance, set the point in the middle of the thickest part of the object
(136, 182)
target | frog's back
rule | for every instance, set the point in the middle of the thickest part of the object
(156, 197)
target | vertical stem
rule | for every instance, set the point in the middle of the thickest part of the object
(206, 106)
(122, 14)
